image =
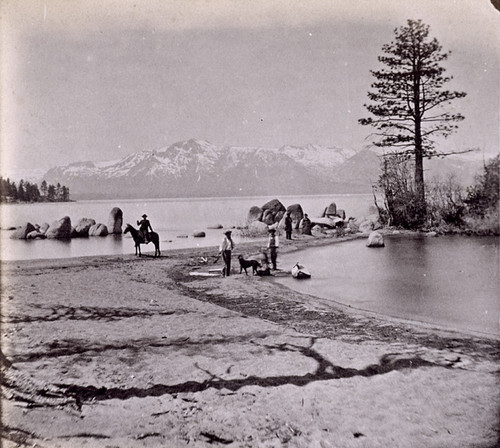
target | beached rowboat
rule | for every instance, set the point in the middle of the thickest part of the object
(300, 272)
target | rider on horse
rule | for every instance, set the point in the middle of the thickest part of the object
(144, 226)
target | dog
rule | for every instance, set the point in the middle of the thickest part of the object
(245, 264)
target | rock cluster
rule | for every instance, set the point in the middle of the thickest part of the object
(272, 214)
(332, 221)
(62, 229)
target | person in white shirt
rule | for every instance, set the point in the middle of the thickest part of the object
(225, 249)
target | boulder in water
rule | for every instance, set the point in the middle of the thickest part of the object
(375, 239)
(35, 234)
(22, 232)
(44, 227)
(60, 229)
(98, 230)
(115, 220)
(83, 226)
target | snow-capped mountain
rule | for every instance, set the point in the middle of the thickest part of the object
(198, 168)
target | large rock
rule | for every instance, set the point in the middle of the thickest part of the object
(60, 229)
(296, 213)
(375, 239)
(22, 232)
(44, 227)
(268, 217)
(115, 220)
(273, 211)
(35, 234)
(83, 227)
(98, 230)
(331, 210)
(254, 214)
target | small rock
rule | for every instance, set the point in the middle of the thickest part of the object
(375, 239)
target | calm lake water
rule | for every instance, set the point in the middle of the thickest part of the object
(171, 218)
(451, 281)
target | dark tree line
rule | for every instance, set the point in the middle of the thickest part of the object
(26, 191)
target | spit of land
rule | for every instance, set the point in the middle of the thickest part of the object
(122, 351)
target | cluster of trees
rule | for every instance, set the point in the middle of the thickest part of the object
(448, 203)
(408, 107)
(26, 191)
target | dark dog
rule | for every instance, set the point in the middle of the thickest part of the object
(245, 264)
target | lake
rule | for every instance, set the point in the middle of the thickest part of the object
(171, 218)
(450, 281)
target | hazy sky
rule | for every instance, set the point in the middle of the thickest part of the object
(97, 80)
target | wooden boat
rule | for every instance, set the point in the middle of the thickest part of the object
(300, 272)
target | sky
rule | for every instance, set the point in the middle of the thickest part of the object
(97, 80)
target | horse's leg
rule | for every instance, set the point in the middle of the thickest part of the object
(139, 248)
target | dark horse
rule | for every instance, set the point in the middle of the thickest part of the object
(138, 240)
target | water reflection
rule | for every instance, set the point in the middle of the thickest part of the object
(450, 281)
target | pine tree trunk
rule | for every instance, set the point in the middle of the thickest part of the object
(419, 174)
(419, 151)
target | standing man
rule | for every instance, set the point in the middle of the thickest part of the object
(144, 227)
(225, 249)
(288, 226)
(272, 245)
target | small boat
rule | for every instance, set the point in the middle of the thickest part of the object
(300, 272)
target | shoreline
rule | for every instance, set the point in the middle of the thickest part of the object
(299, 243)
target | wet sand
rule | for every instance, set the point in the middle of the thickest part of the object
(119, 351)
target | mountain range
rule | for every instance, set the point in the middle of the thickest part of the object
(197, 168)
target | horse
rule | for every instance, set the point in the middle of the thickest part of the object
(138, 240)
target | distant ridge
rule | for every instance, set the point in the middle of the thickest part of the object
(197, 168)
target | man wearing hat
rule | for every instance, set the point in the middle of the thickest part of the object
(144, 227)
(225, 249)
(273, 244)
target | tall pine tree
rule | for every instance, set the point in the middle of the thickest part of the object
(409, 99)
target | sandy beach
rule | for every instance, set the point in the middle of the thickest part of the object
(122, 351)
